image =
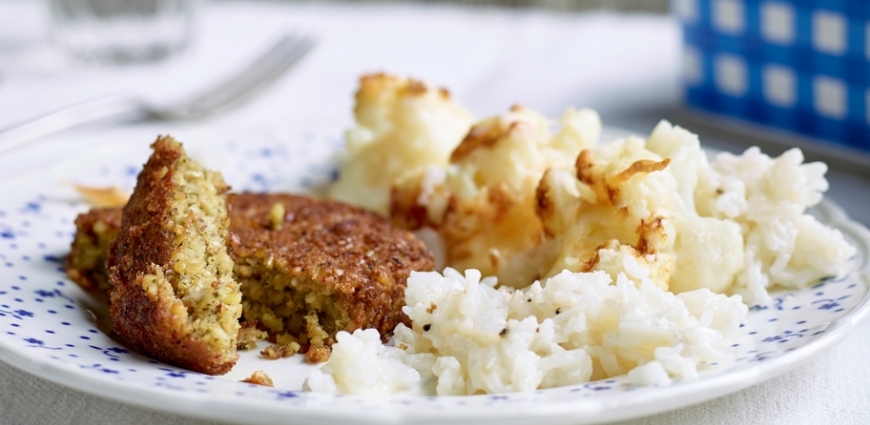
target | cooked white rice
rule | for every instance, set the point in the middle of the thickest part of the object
(768, 197)
(361, 365)
(470, 338)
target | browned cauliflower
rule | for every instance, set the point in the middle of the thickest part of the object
(610, 213)
(401, 125)
(483, 203)
(517, 201)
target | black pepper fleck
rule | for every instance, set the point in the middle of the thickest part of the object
(426, 327)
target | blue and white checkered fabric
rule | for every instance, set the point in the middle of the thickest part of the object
(801, 65)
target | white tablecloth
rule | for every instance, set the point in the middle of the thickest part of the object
(625, 66)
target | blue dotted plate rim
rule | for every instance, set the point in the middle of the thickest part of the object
(585, 410)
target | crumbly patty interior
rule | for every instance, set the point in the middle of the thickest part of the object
(91, 255)
(202, 271)
(86, 263)
(293, 309)
(311, 267)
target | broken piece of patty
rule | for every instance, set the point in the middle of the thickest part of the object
(350, 267)
(86, 262)
(173, 294)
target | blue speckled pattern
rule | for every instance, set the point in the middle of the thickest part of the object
(47, 329)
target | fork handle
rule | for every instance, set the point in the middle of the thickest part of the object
(63, 119)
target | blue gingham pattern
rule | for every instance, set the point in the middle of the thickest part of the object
(800, 65)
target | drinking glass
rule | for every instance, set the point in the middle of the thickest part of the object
(122, 31)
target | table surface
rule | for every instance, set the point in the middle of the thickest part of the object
(626, 66)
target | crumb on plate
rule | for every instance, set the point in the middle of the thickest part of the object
(259, 378)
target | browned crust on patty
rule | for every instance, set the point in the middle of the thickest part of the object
(86, 262)
(143, 242)
(355, 255)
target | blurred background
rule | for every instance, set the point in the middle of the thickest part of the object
(656, 6)
(774, 73)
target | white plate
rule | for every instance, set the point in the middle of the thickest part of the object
(47, 329)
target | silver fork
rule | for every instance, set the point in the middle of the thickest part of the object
(267, 68)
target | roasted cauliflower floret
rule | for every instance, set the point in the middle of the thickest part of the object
(518, 202)
(483, 203)
(402, 125)
(708, 250)
(614, 213)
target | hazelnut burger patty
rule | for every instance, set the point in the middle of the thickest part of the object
(173, 294)
(308, 268)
